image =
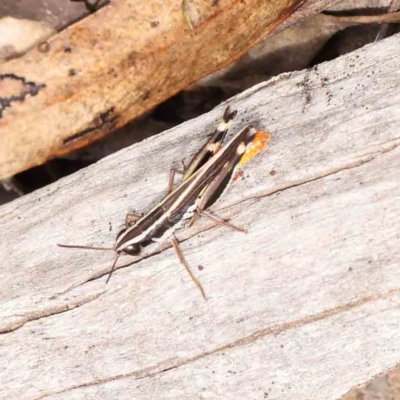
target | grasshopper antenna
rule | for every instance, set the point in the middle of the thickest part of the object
(72, 246)
(113, 267)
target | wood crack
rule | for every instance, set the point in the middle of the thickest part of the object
(47, 313)
(105, 120)
(365, 159)
(274, 330)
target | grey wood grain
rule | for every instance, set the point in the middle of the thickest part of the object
(305, 306)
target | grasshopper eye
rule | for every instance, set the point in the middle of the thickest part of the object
(132, 250)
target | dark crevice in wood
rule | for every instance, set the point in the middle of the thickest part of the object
(103, 119)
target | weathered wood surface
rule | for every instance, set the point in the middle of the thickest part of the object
(305, 306)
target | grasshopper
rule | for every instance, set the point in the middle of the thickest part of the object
(205, 179)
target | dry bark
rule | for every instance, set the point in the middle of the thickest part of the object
(113, 66)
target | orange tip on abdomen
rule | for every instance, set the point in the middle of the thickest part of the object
(260, 140)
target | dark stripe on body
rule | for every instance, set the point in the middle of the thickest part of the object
(173, 206)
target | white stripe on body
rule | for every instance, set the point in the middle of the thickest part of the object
(196, 177)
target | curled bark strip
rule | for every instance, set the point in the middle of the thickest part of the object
(108, 69)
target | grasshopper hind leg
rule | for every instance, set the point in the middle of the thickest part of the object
(217, 220)
(183, 261)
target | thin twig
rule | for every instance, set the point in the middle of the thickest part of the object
(366, 19)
